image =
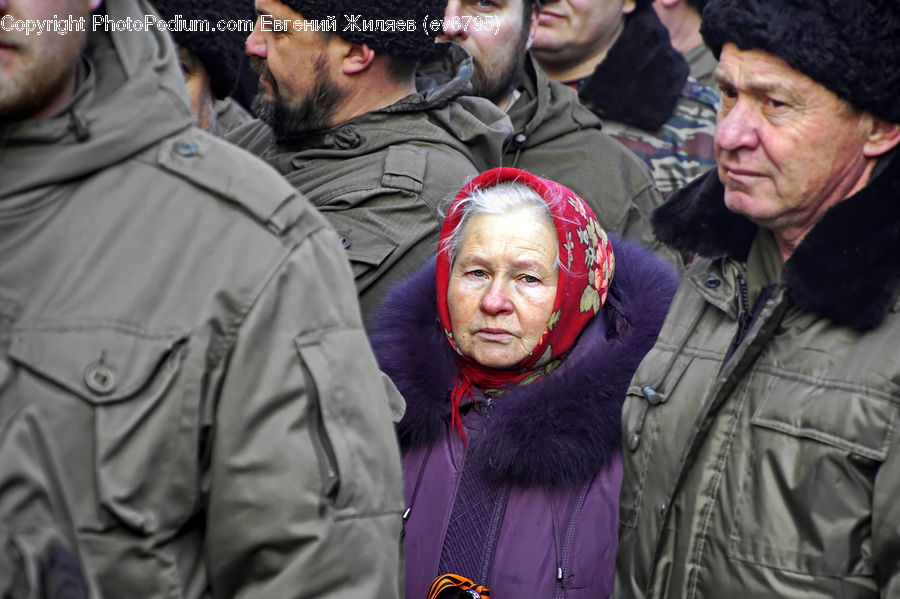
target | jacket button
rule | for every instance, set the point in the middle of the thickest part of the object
(347, 139)
(99, 379)
(634, 441)
(344, 242)
(186, 148)
(520, 139)
(713, 282)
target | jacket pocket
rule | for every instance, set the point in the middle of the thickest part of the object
(804, 502)
(367, 248)
(350, 424)
(119, 384)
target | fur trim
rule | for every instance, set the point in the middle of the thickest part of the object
(559, 431)
(640, 80)
(849, 46)
(842, 270)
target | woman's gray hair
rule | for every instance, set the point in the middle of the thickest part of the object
(499, 199)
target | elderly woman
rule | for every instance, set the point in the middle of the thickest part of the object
(514, 351)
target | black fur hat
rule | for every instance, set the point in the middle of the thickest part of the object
(852, 47)
(220, 52)
(415, 43)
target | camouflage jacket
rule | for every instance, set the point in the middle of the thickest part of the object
(646, 100)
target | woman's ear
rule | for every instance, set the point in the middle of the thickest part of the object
(883, 138)
(357, 58)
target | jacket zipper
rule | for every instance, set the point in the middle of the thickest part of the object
(328, 466)
(743, 317)
(566, 556)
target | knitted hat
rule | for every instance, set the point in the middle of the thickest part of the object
(416, 43)
(852, 47)
(220, 52)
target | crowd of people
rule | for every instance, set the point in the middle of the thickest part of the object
(595, 302)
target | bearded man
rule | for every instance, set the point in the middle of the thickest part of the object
(342, 119)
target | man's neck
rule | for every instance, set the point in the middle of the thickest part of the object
(369, 98)
(684, 29)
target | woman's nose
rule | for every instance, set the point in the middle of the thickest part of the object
(497, 300)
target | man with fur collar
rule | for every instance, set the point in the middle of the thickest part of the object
(763, 451)
(555, 136)
(617, 54)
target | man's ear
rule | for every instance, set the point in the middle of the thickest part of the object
(533, 25)
(883, 138)
(357, 58)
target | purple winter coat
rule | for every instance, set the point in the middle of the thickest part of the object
(552, 446)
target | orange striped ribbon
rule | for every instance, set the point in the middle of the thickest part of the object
(453, 585)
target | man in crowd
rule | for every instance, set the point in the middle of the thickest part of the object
(555, 136)
(210, 60)
(183, 327)
(618, 55)
(762, 452)
(341, 119)
(682, 19)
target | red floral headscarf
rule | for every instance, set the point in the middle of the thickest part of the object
(588, 264)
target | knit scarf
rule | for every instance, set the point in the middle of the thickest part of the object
(587, 269)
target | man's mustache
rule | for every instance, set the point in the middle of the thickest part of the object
(258, 66)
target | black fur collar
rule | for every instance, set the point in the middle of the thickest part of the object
(641, 78)
(846, 269)
(558, 431)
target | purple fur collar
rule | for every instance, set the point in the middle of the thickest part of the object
(559, 431)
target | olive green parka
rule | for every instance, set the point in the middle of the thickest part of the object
(183, 326)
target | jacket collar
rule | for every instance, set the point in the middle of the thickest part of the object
(841, 270)
(546, 109)
(561, 430)
(641, 78)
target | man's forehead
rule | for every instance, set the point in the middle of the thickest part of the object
(757, 68)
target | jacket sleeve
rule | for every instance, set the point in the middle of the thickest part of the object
(886, 524)
(39, 549)
(304, 487)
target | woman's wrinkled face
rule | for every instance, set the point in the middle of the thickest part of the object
(503, 286)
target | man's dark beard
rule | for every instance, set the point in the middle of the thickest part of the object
(313, 112)
(501, 85)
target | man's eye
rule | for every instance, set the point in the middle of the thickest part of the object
(776, 103)
(478, 273)
(727, 91)
(530, 279)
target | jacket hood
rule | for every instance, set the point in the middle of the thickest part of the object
(842, 269)
(132, 97)
(558, 431)
(547, 110)
(478, 129)
(641, 78)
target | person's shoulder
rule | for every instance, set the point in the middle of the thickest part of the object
(214, 175)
